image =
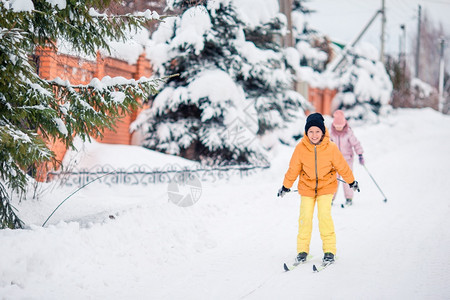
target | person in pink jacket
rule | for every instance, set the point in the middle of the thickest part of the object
(342, 135)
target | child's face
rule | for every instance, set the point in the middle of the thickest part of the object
(339, 128)
(314, 134)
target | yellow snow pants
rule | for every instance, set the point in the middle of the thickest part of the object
(326, 225)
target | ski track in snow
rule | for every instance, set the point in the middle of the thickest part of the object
(232, 244)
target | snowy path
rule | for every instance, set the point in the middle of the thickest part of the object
(233, 242)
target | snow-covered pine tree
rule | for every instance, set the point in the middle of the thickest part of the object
(364, 86)
(200, 114)
(228, 90)
(300, 7)
(314, 48)
(34, 111)
(265, 77)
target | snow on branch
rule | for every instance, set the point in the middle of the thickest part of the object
(148, 15)
(108, 82)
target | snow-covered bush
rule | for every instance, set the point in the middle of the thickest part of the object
(364, 87)
(423, 94)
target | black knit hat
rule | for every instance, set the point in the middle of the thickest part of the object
(315, 119)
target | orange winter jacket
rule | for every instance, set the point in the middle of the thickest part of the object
(317, 166)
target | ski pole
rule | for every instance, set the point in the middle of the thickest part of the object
(385, 199)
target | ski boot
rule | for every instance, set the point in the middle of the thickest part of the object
(328, 258)
(301, 257)
(348, 202)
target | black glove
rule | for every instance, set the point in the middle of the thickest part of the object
(354, 185)
(282, 191)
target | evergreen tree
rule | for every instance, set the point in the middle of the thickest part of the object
(268, 82)
(364, 86)
(313, 47)
(228, 90)
(299, 6)
(34, 111)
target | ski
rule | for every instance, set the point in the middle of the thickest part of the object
(322, 267)
(289, 267)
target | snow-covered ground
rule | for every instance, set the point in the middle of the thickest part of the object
(232, 243)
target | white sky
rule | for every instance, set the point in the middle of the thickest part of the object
(343, 20)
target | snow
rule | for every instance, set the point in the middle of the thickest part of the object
(65, 47)
(148, 14)
(61, 126)
(61, 4)
(313, 53)
(256, 12)
(128, 50)
(253, 54)
(232, 243)
(132, 48)
(105, 83)
(118, 97)
(96, 14)
(118, 156)
(194, 24)
(424, 88)
(21, 5)
(217, 85)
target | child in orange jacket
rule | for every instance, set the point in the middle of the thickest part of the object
(316, 161)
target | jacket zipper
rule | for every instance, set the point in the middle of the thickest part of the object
(317, 177)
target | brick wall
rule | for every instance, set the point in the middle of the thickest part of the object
(114, 67)
(321, 99)
(81, 71)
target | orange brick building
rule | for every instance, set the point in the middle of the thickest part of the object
(321, 99)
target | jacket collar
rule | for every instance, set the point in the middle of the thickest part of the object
(324, 143)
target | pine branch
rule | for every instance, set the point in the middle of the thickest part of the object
(8, 218)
